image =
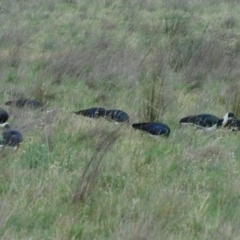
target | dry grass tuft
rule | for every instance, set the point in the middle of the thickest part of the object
(13, 35)
(154, 88)
(96, 65)
(206, 57)
(141, 230)
(89, 176)
(48, 127)
(230, 21)
(42, 91)
(208, 152)
(5, 213)
(13, 92)
(75, 63)
(230, 97)
(91, 133)
(176, 24)
(154, 105)
(156, 99)
(12, 59)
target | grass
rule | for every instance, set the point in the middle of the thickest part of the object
(156, 60)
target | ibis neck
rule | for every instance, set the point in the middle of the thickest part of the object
(5, 125)
(225, 119)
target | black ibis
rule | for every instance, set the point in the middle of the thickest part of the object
(207, 121)
(154, 128)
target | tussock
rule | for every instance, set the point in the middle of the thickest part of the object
(89, 176)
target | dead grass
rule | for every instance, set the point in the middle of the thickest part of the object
(89, 176)
(14, 35)
(93, 66)
(208, 153)
(74, 63)
(206, 57)
(230, 97)
(154, 102)
(154, 87)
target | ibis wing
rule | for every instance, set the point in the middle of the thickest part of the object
(29, 103)
(117, 115)
(12, 137)
(204, 120)
(3, 115)
(153, 128)
(92, 112)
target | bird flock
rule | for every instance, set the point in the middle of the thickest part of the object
(204, 121)
(13, 138)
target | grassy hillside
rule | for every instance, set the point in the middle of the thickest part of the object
(158, 60)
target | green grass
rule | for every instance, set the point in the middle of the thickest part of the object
(156, 60)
